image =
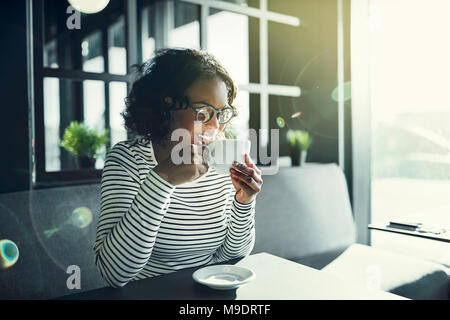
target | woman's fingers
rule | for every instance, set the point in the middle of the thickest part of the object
(241, 184)
(248, 180)
(251, 164)
(252, 172)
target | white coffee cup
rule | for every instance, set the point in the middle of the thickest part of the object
(222, 153)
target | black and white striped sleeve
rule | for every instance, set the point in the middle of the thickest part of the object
(240, 237)
(130, 217)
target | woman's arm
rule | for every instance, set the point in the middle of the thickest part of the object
(130, 217)
(240, 237)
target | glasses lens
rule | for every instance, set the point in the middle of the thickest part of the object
(205, 114)
(226, 115)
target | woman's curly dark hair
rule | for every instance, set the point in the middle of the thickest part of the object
(168, 74)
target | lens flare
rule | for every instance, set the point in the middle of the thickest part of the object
(50, 232)
(347, 92)
(296, 115)
(280, 122)
(9, 253)
(81, 217)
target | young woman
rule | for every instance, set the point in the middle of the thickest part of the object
(157, 216)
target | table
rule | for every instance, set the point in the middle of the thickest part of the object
(445, 237)
(276, 279)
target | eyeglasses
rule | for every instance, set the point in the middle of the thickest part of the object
(206, 113)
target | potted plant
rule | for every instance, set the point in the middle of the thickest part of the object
(84, 143)
(299, 142)
(229, 132)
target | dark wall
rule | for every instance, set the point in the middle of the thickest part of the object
(14, 172)
(306, 56)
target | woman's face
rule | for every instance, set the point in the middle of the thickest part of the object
(202, 92)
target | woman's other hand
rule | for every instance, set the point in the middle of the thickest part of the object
(247, 181)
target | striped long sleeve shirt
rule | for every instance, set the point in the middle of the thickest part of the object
(148, 227)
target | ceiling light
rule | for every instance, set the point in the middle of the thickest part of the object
(89, 6)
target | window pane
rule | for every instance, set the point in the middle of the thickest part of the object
(51, 124)
(52, 31)
(410, 111)
(281, 110)
(187, 26)
(148, 32)
(228, 38)
(294, 8)
(94, 108)
(63, 101)
(91, 50)
(51, 54)
(76, 43)
(117, 95)
(117, 53)
(240, 124)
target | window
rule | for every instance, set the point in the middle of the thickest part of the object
(410, 111)
(228, 40)
(186, 31)
(84, 74)
(408, 74)
(236, 32)
(81, 76)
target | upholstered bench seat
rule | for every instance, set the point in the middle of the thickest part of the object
(396, 273)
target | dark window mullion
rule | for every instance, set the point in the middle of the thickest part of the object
(133, 38)
(70, 93)
(83, 75)
(38, 30)
(132, 35)
(74, 90)
(138, 34)
(106, 68)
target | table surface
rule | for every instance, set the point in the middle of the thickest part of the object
(276, 279)
(445, 237)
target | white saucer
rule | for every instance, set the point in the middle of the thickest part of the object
(223, 277)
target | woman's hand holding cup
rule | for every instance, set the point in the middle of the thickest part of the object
(247, 181)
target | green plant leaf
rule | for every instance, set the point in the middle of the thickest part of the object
(83, 142)
(229, 132)
(299, 139)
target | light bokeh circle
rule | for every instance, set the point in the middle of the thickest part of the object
(9, 253)
(81, 217)
(89, 6)
(280, 122)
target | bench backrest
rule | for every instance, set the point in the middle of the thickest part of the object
(300, 211)
(53, 229)
(303, 211)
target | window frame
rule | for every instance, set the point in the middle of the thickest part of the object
(40, 177)
(262, 88)
(164, 10)
(362, 133)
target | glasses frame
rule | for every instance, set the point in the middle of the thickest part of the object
(216, 111)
